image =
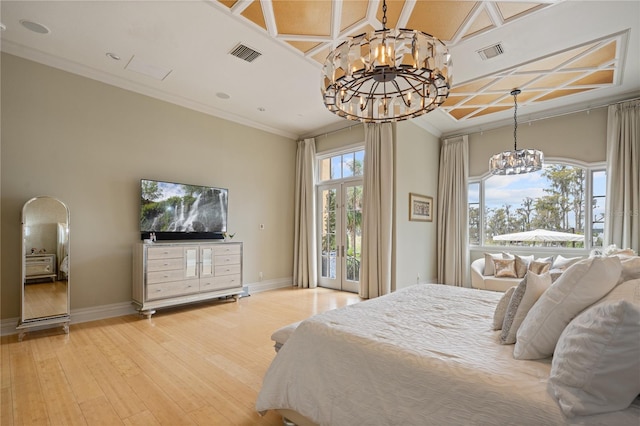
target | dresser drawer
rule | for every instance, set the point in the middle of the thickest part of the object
(227, 270)
(232, 259)
(164, 252)
(165, 276)
(221, 283)
(165, 264)
(224, 249)
(176, 288)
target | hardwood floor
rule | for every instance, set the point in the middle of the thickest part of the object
(196, 365)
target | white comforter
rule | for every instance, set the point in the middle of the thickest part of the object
(424, 355)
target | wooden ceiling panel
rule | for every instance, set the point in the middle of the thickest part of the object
(511, 10)
(254, 13)
(599, 57)
(491, 110)
(508, 83)
(559, 93)
(484, 99)
(303, 46)
(441, 19)
(352, 13)
(555, 61)
(453, 100)
(228, 3)
(394, 8)
(303, 17)
(460, 113)
(482, 23)
(473, 86)
(595, 79)
(554, 80)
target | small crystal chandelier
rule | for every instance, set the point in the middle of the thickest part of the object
(386, 75)
(518, 161)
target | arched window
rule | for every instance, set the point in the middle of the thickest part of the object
(561, 205)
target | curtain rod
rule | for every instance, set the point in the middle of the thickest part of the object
(335, 131)
(548, 117)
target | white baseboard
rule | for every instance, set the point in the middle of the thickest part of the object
(8, 325)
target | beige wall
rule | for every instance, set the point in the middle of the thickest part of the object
(417, 163)
(89, 144)
(580, 136)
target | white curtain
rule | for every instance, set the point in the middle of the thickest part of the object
(377, 211)
(622, 224)
(453, 256)
(304, 254)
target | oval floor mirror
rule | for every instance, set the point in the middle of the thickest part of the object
(45, 265)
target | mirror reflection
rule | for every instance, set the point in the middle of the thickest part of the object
(45, 244)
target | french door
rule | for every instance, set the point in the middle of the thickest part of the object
(340, 234)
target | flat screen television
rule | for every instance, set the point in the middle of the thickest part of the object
(174, 211)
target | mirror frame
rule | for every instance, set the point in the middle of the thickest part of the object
(56, 319)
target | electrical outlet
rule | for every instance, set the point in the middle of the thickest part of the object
(262, 226)
(259, 276)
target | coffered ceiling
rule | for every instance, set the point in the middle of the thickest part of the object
(563, 55)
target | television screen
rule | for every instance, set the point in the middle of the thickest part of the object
(168, 207)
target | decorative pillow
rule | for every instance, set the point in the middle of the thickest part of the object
(524, 297)
(488, 262)
(630, 268)
(628, 290)
(539, 267)
(522, 265)
(501, 308)
(596, 364)
(564, 262)
(578, 287)
(505, 268)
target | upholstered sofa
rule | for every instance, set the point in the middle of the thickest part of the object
(489, 282)
(487, 278)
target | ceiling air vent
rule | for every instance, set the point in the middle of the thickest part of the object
(491, 51)
(246, 53)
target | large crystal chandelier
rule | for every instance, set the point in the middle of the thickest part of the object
(518, 161)
(386, 75)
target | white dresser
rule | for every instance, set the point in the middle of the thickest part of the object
(169, 274)
(40, 266)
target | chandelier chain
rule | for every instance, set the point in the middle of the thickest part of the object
(384, 14)
(515, 121)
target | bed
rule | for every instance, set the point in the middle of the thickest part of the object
(423, 355)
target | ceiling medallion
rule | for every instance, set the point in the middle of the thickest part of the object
(386, 75)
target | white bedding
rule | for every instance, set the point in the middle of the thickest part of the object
(423, 355)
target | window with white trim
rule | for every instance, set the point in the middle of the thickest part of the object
(562, 197)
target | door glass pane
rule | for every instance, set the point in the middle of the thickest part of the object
(328, 243)
(190, 255)
(353, 236)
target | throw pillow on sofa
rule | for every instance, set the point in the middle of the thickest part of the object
(488, 262)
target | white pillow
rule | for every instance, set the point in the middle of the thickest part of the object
(630, 268)
(488, 261)
(501, 308)
(596, 365)
(564, 262)
(581, 285)
(524, 297)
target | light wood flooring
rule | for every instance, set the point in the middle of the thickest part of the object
(196, 365)
(45, 299)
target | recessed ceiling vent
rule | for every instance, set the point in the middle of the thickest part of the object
(245, 53)
(491, 51)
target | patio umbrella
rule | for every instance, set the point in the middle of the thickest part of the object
(540, 235)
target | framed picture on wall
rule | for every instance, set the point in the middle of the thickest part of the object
(420, 207)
